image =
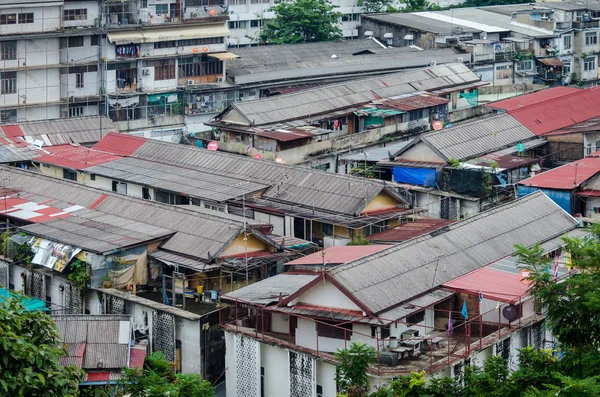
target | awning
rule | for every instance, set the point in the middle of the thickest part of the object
(408, 37)
(551, 62)
(168, 34)
(124, 102)
(224, 56)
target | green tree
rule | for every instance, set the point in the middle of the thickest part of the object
(157, 379)
(371, 6)
(29, 352)
(351, 373)
(301, 21)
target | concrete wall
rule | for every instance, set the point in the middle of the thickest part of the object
(326, 378)
(45, 19)
(275, 362)
(327, 295)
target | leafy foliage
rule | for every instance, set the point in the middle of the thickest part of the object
(371, 6)
(157, 379)
(351, 373)
(359, 240)
(80, 275)
(301, 21)
(29, 352)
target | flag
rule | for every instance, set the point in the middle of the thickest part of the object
(556, 268)
(464, 311)
(450, 327)
(480, 297)
(497, 306)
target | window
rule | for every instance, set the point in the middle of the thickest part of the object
(162, 9)
(525, 65)
(327, 229)
(8, 83)
(92, 177)
(415, 115)
(319, 391)
(341, 331)
(79, 80)
(566, 68)
(94, 40)
(8, 115)
(346, 17)
(26, 17)
(75, 41)
(416, 317)
(214, 207)
(589, 64)
(256, 23)
(591, 38)
(385, 332)
(119, 187)
(83, 69)
(8, 50)
(75, 111)
(567, 42)
(8, 19)
(75, 15)
(146, 193)
(70, 175)
(199, 66)
(233, 24)
(208, 40)
(165, 44)
(164, 69)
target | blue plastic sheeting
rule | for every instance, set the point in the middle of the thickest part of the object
(560, 197)
(414, 176)
(30, 304)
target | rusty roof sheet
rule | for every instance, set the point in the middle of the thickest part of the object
(413, 102)
(409, 230)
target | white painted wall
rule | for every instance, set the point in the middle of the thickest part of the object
(306, 334)
(188, 332)
(276, 221)
(93, 13)
(275, 362)
(279, 323)
(327, 295)
(326, 378)
(230, 365)
(45, 19)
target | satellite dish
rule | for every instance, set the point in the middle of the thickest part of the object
(510, 312)
(457, 30)
(212, 146)
(437, 125)
(257, 156)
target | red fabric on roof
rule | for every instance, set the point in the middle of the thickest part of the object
(121, 144)
(566, 177)
(98, 376)
(493, 284)
(530, 99)
(75, 157)
(338, 255)
(553, 114)
(12, 131)
(410, 230)
(97, 202)
(137, 355)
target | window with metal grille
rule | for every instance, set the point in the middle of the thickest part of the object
(8, 19)
(589, 64)
(416, 317)
(79, 80)
(75, 15)
(8, 82)
(26, 17)
(8, 115)
(164, 69)
(199, 66)
(68, 174)
(75, 111)
(591, 38)
(8, 50)
(341, 331)
(75, 41)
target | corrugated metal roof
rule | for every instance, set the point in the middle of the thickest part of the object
(74, 157)
(559, 112)
(375, 153)
(530, 99)
(566, 177)
(79, 130)
(337, 255)
(413, 102)
(409, 230)
(415, 305)
(313, 102)
(121, 144)
(303, 186)
(391, 277)
(97, 232)
(171, 33)
(268, 290)
(473, 139)
(418, 22)
(551, 61)
(174, 259)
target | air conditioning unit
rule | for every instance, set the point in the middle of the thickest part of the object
(190, 82)
(146, 71)
(220, 79)
(432, 63)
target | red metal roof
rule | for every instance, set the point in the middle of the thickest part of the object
(410, 230)
(413, 102)
(137, 355)
(12, 131)
(589, 193)
(506, 161)
(590, 125)
(76, 157)
(121, 144)
(21, 208)
(566, 177)
(520, 101)
(338, 255)
(551, 61)
(564, 111)
(493, 284)
(285, 135)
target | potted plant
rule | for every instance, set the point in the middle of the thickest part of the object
(107, 282)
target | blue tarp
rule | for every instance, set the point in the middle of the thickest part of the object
(414, 176)
(560, 197)
(30, 304)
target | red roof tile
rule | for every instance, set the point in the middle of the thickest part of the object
(121, 144)
(339, 255)
(75, 157)
(566, 177)
(410, 230)
(557, 113)
(530, 99)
